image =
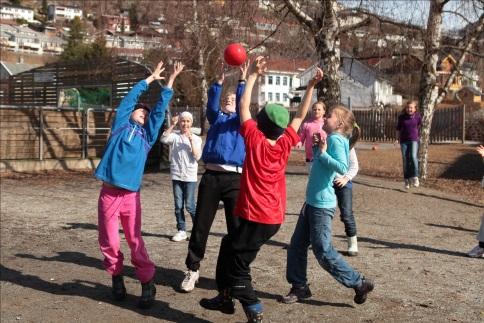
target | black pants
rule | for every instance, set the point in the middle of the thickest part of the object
(237, 252)
(214, 187)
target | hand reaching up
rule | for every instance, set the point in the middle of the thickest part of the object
(177, 69)
(156, 75)
(243, 70)
(258, 66)
(317, 77)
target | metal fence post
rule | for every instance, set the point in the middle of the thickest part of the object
(463, 123)
(41, 133)
(83, 137)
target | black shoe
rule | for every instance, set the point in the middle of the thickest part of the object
(362, 291)
(148, 292)
(118, 290)
(296, 294)
(224, 304)
(254, 313)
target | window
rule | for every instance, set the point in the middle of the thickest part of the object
(285, 97)
(290, 81)
(278, 97)
(278, 80)
(269, 98)
(284, 80)
(269, 79)
(263, 96)
(263, 80)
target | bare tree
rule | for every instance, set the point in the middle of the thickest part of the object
(430, 93)
(327, 22)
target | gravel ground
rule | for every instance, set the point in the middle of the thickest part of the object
(413, 244)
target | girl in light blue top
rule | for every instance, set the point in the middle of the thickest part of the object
(313, 227)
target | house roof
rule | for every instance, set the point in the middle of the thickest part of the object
(288, 65)
(16, 68)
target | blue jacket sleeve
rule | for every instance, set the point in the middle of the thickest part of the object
(335, 157)
(157, 115)
(213, 102)
(125, 108)
(238, 95)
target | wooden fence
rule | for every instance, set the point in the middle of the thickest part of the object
(379, 125)
(51, 133)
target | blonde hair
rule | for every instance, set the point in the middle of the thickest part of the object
(347, 118)
(415, 102)
(319, 102)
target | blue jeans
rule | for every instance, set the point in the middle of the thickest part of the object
(409, 158)
(345, 203)
(184, 194)
(314, 227)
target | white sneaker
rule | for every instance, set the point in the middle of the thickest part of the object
(352, 246)
(415, 182)
(407, 183)
(179, 236)
(476, 252)
(188, 284)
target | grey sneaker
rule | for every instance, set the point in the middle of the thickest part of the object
(296, 294)
(407, 183)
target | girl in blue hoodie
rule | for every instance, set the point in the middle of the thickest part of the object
(331, 156)
(133, 133)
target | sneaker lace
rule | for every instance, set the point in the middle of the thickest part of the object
(188, 275)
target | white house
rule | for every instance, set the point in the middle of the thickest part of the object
(26, 40)
(56, 12)
(282, 75)
(361, 85)
(13, 12)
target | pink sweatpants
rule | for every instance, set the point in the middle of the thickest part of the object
(114, 204)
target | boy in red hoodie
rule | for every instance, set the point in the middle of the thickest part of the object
(261, 204)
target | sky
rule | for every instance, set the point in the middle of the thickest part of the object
(416, 11)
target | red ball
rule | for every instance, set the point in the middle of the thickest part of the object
(234, 54)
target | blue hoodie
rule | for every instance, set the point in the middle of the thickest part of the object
(124, 158)
(320, 190)
(224, 144)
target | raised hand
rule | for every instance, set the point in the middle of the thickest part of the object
(221, 75)
(156, 75)
(243, 70)
(177, 68)
(317, 77)
(258, 66)
(174, 120)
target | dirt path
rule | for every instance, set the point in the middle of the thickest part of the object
(412, 244)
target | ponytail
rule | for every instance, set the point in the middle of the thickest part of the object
(355, 135)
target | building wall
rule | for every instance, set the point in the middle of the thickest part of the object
(7, 12)
(278, 91)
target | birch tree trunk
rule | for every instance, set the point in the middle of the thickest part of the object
(429, 90)
(201, 71)
(430, 93)
(327, 45)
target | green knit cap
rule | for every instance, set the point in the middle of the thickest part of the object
(277, 114)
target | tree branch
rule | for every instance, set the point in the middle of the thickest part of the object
(458, 14)
(473, 53)
(473, 34)
(300, 15)
(345, 29)
(271, 34)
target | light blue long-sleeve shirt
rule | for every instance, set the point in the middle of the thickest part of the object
(125, 155)
(320, 191)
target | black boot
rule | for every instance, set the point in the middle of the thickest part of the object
(148, 292)
(223, 302)
(118, 291)
(361, 293)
